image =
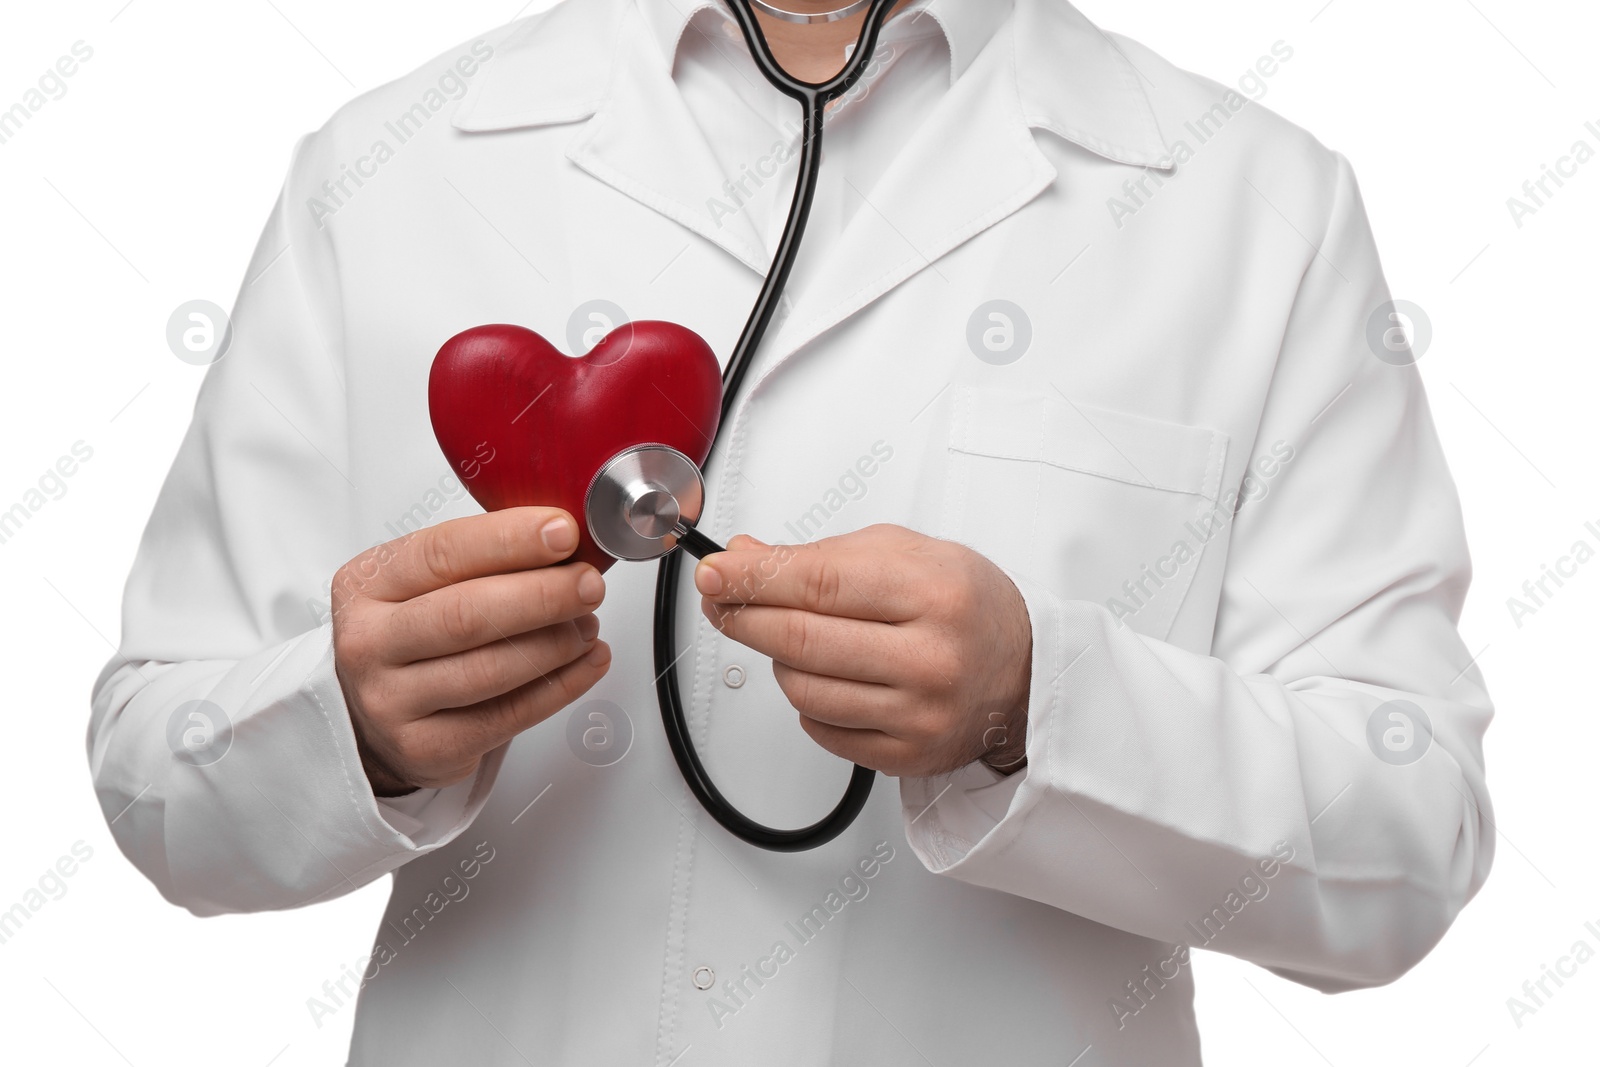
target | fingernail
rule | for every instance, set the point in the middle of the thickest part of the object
(588, 627)
(559, 535)
(708, 580)
(592, 587)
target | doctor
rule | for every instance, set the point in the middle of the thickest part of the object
(1077, 496)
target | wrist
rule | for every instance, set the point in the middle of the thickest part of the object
(1010, 757)
(383, 779)
(1006, 768)
(1006, 747)
(385, 783)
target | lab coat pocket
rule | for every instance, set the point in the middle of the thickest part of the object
(1093, 503)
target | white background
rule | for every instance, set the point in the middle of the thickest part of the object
(146, 185)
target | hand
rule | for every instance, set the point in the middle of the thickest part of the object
(901, 652)
(450, 641)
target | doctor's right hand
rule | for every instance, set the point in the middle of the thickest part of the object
(450, 641)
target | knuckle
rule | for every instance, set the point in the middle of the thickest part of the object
(822, 585)
(456, 620)
(352, 641)
(797, 636)
(956, 599)
(438, 554)
(342, 589)
(348, 587)
(477, 671)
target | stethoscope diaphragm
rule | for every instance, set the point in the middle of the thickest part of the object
(643, 500)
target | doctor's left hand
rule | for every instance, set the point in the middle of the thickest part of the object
(902, 653)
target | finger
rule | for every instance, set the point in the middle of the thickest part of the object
(827, 579)
(869, 748)
(485, 726)
(842, 702)
(480, 610)
(499, 542)
(490, 670)
(821, 644)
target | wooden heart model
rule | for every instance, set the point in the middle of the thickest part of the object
(522, 423)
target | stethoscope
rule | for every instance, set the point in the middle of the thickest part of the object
(644, 501)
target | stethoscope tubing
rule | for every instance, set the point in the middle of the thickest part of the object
(814, 98)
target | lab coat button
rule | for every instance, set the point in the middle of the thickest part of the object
(704, 977)
(733, 676)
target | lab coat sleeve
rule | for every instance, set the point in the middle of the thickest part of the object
(1257, 800)
(224, 617)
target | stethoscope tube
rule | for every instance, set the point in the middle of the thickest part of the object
(814, 99)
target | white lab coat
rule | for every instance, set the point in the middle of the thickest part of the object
(1231, 522)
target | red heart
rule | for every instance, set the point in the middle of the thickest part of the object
(522, 423)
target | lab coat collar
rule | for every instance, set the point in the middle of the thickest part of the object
(972, 163)
(1088, 92)
(967, 24)
(556, 68)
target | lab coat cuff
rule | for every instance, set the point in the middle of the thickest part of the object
(976, 809)
(398, 828)
(946, 815)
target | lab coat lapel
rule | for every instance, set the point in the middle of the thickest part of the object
(644, 142)
(968, 166)
(594, 60)
(975, 161)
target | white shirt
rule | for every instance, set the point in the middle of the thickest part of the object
(1223, 503)
(752, 128)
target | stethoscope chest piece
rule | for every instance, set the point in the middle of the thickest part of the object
(641, 499)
